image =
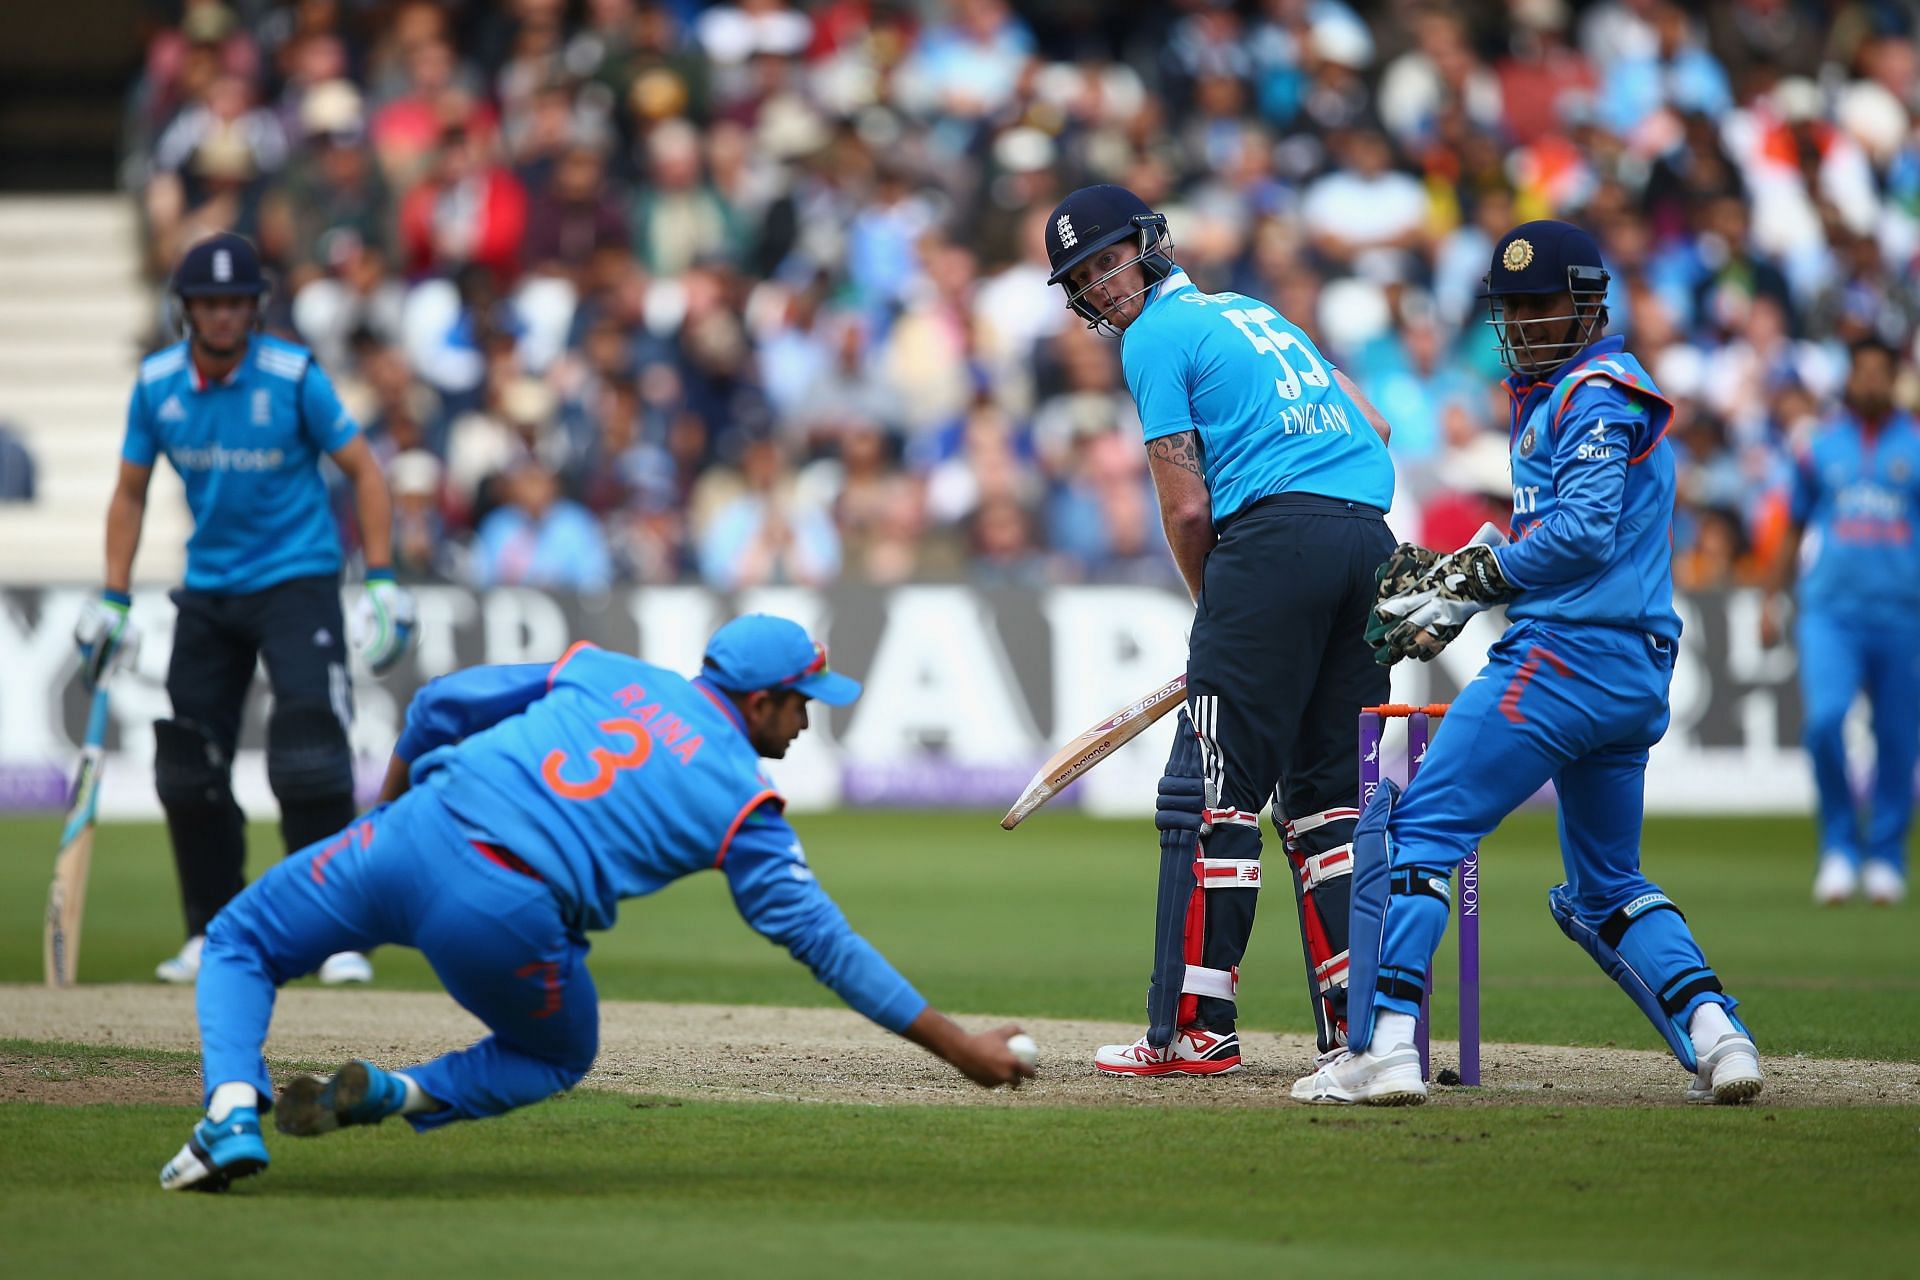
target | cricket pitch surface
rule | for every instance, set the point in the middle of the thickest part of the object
(744, 1052)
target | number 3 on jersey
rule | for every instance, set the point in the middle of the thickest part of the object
(607, 764)
(1268, 341)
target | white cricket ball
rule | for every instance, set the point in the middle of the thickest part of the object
(1023, 1047)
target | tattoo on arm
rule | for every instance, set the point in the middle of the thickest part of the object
(1182, 450)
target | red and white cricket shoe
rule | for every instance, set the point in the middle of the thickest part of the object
(1194, 1052)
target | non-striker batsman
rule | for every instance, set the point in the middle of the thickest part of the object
(244, 419)
(1574, 693)
(1274, 481)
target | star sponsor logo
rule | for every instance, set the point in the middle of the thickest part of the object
(171, 410)
(1596, 450)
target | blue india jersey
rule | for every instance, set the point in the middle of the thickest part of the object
(248, 451)
(1261, 397)
(1854, 490)
(611, 779)
(1593, 492)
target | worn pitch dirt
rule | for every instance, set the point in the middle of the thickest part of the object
(737, 1052)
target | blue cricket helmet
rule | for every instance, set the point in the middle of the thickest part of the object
(224, 265)
(1096, 218)
(1540, 258)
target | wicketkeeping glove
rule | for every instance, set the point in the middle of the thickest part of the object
(1428, 616)
(383, 621)
(105, 636)
(1400, 571)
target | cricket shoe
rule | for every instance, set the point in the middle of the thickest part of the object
(218, 1152)
(1193, 1052)
(1882, 883)
(358, 1093)
(1836, 880)
(183, 967)
(343, 967)
(1390, 1080)
(1729, 1073)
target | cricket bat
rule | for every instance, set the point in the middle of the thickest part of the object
(1093, 746)
(68, 896)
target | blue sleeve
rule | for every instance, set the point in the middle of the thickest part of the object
(776, 893)
(451, 707)
(1157, 376)
(1591, 445)
(141, 446)
(1805, 491)
(325, 420)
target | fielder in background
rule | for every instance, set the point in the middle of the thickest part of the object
(526, 803)
(1855, 488)
(245, 418)
(1274, 483)
(1575, 692)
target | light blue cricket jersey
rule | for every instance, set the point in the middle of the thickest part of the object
(1262, 398)
(1593, 489)
(248, 451)
(1855, 492)
(612, 778)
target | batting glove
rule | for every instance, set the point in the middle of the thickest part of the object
(383, 621)
(105, 636)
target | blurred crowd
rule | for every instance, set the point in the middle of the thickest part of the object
(754, 292)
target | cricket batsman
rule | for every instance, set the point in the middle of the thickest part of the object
(1855, 488)
(523, 804)
(1274, 482)
(245, 419)
(1575, 692)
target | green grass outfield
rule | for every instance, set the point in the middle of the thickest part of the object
(1052, 920)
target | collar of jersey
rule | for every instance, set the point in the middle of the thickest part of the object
(722, 701)
(199, 383)
(1599, 347)
(1172, 284)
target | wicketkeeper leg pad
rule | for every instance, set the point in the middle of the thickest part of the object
(1648, 950)
(310, 768)
(1320, 849)
(1398, 915)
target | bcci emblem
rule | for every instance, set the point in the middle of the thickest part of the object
(1527, 441)
(1065, 227)
(1517, 256)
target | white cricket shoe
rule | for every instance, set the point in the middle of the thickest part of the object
(1390, 1080)
(183, 967)
(343, 967)
(1836, 881)
(1883, 883)
(1729, 1073)
(1193, 1052)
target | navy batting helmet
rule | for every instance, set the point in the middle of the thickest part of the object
(221, 266)
(1096, 218)
(1542, 258)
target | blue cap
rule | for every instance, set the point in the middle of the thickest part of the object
(759, 651)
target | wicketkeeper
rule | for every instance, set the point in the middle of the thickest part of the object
(1274, 482)
(244, 418)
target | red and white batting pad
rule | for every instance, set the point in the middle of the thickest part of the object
(1300, 826)
(1227, 873)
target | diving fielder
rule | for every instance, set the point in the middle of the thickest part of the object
(244, 418)
(526, 802)
(1856, 487)
(1274, 482)
(1574, 693)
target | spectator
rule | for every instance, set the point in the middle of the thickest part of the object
(16, 467)
(761, 536)
(537, 538)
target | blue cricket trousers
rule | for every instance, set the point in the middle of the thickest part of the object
(1837, 660)
(405, 875)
